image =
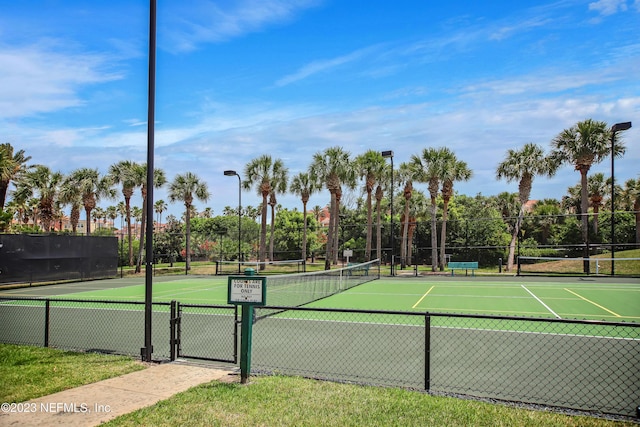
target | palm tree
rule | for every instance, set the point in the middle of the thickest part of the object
(597, 187)
(302, 185)
(333, 167)
(522, 166)
(370, 166)
(251, 212)
(70, 195)
(12, 166)
(545, 213)
(46, 184)
(98, 214)
(112, 214)
(122, 211)
(159, 206)
(19, 208)
(379, 195)
(260, 172)
(416, 213)
(630, 199)
(571, 201)
(124, 172)
(92, 188)
(159, 180)
(317, 213)
(279, 183)
(406, 174)
(184, 188)
(229, 211)
(452, 170)
(584, 144)
(206, 213)
(428, 169)
(136, 214)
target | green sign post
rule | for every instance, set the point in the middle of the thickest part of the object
(247, 291)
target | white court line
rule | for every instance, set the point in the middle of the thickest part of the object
(540, 301)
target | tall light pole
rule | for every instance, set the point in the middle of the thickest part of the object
(147, 351)
(234, 173)
(615, 128)
(385, 154)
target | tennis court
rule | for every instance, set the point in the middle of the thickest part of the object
(606, 299)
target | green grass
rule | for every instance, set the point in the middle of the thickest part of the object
(622, 267)
(30, 372)
(290, 401)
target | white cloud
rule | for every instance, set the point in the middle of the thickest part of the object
(547, 81)
(316, 67)
(41, 78)
(191, 23)
(609, 7)
(518, 27)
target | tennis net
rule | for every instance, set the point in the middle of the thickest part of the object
(295, 290)
(530, 265)
(261, 267)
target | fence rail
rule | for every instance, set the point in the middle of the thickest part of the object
(585, 365)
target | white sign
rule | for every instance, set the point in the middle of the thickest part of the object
(246, 290)
(348, 253)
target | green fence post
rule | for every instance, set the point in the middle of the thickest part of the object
(246, 331)
(246, 291)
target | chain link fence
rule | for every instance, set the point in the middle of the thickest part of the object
(86, 325)
(584, 365)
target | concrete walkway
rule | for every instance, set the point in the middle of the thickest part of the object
(93, 404)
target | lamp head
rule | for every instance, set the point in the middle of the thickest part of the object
(620, 126)
(388, 153)
(230, 173)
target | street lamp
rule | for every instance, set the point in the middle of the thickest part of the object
(385, 154)
(615, 128)
(234, 173)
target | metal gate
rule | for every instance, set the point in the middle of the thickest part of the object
(204, 332)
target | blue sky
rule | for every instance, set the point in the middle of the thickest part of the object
(241, 78)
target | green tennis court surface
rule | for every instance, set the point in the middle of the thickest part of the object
(603, 299)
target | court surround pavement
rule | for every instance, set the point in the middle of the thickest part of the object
(97, 403)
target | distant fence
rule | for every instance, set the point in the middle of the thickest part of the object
(49, 257)
(583, 365)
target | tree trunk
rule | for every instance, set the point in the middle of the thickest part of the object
(367, 250)
(4, 186)
(329, 245)
(188, 236)
(263, 233)
(404, 221)
(88, 217)
(336, 235)
(443, 233)
(434, 235)
(127, 203)
(584, 214)
(272, 231)
(378, 224)
(412, 229)
(512, 244)
(636, 208)
(304, 231)
(143, 222)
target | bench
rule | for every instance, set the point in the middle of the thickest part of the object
(463, 265)
(365, 268)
